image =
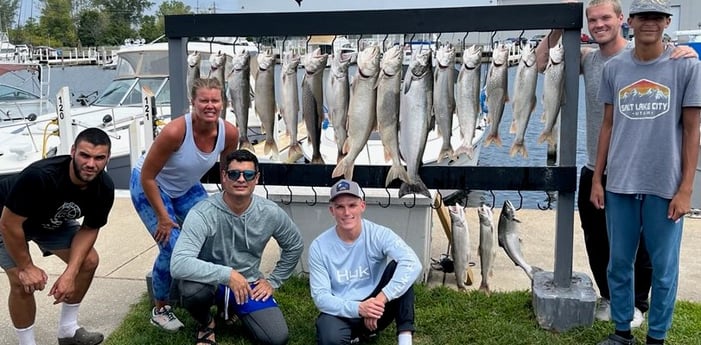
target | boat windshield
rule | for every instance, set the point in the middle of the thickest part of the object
(127, 92)
(9, 93)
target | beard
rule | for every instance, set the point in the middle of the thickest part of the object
(78, 172)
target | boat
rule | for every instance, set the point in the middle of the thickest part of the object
(24, 89)
(140, 68)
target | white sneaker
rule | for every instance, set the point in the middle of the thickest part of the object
(603, 310)
(638, 318)
(166, 319)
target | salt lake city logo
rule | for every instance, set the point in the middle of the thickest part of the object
(644, 99)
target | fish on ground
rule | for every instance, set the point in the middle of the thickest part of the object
(460, 245)
(487, 247)
(496, 89)
(362, 111)
(217, 67)
(388, 87)
(553, 89)
(338, 99)
(415, 118)
(240, 93)
(264, 102)
(524, 99)
(467, 94)
(509, 228)
(313, 100)
(193, 71)
(444, 98)
(289, 107)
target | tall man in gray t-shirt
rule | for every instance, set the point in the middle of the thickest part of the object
(648, 144)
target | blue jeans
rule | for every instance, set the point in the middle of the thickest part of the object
(177, 210)
(627, 216)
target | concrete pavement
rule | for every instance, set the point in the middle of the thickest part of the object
(127, 253)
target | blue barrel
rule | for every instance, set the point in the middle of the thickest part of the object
(696, 46)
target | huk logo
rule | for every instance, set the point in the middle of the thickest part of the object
(360, 273)
(644, 99)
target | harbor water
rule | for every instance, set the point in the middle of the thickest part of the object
(82, 80)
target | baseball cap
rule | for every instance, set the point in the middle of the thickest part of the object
(650, 6)
(345, 187)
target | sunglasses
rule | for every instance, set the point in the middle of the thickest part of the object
(248, 175)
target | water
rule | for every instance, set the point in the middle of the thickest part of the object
(85, 79)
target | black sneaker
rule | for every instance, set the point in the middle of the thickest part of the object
(82, 337)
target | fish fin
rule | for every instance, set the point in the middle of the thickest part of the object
(294, 153)
(388, 154)
(518, 149)
(340, 169)
(512, 129)
(246, 145)
(492, 138)
(484, 287)
(546, 137)
(417, 186)
(396, 172)
(464, 149)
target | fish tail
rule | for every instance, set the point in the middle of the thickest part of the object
(492, 138)
(294, 153)
(464, 149)
(246, 145)
(341, 169)
(518, 148)
(546, 136)
(484, 287)
(271, 148)
(317, 159)
(396, 172)
(417, 186)
(446, 153)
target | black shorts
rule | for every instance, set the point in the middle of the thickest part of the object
(47, 240)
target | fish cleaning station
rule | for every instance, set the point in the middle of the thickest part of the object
(562, 299)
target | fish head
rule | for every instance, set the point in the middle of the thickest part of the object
(391, 62)
(369, 61)
(315, 61)
(240, 60)
(528, 54)
(290, 61)
(194, 58)
(500, 55)
(445, 56)
(557, 53)
(217, 60)
(508, 211)
(420, 62)
(485, 214)
(472, 57)
(266, 59)
(339, 64)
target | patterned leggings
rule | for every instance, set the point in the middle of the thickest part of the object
(177, 210)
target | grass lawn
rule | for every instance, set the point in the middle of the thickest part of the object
(443, 316)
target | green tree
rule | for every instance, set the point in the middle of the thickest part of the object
(92, 25)
(149, 29)
(8, 12)
(169, 8)
(56, 20)
(127, 12)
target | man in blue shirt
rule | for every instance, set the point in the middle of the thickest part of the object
(361, 274)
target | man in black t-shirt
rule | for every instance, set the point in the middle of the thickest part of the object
(42, 204)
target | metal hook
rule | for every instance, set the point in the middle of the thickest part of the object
(491, 40)
(438, 40)
(389, 200)
(550, 34)
(413, 203)
(494, 198)
(411, 45)
(357, 45)
(440, 200)
(315, 198)
(266, 191)
(307, 44)
(282, 50)
(520, 201)
(288, 201)
(549, 205)
(520, 37)
(464, 38)
(383, 42)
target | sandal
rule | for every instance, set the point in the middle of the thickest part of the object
(204, 338)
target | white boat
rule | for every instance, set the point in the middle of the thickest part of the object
(140, 67)
(24, 89)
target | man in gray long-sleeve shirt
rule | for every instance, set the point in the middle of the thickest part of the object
(218, 254)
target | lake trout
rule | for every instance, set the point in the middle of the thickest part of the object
(289, 107)
(240, 94)
(509, 228)
(488, 246)
(497, 92)
(524, 98)
(193, 71)
(460, 245)
(339, 98)
(217, 65)
(388, 85)
(444, 98)
(313, 100)
(553, 88)
(362, 111)
(467, 97)
(415, 117)
(265, 100)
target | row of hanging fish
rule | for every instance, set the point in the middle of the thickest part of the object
(505, 235)
(404, 109)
